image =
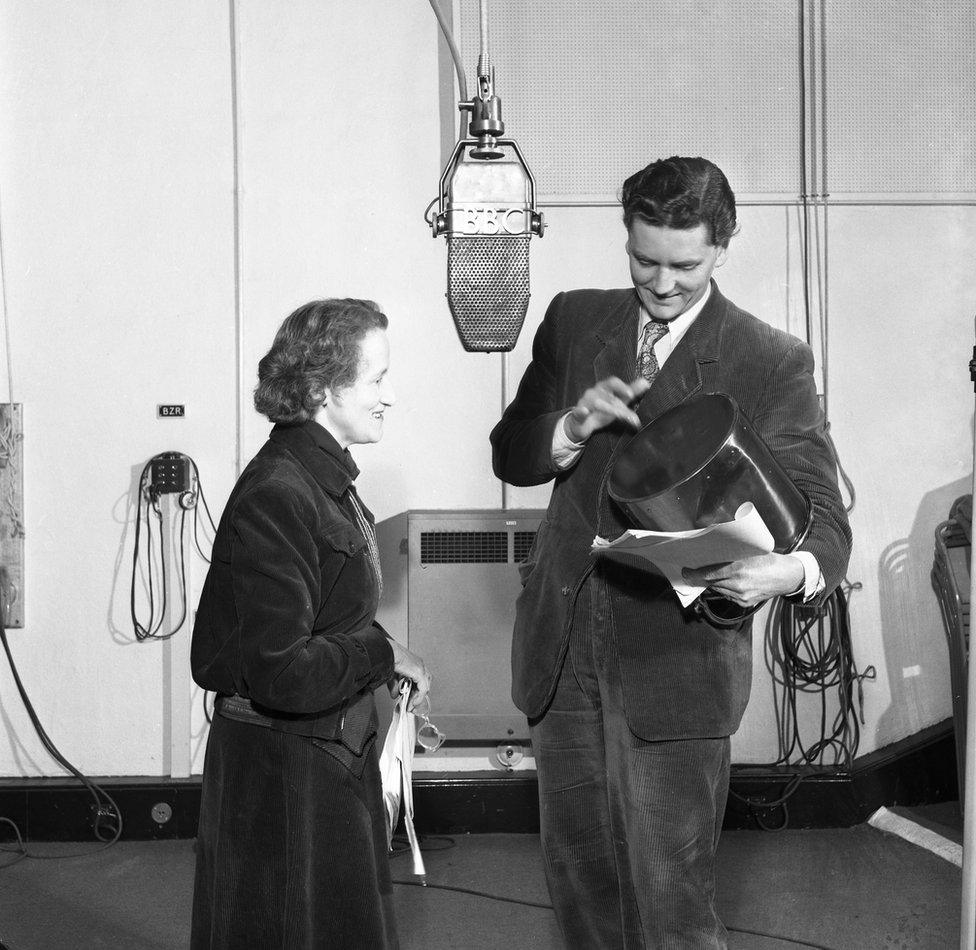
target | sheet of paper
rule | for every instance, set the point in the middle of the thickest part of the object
(670, 551)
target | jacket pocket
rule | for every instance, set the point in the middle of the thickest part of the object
(344, 538)
(355, 731)
(526, 567)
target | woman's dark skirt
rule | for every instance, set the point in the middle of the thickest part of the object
(292, 849)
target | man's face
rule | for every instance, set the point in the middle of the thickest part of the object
(670, 269)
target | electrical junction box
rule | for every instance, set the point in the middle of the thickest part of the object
(170, 472)
(462, 583)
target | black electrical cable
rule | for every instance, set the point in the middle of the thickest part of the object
(142, 496)
(541, 906)
(804, 197)
(401, 844)
(809, 650)
(107, 815)
(198, 485)
(148, 499)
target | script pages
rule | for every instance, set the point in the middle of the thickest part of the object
(670, 551)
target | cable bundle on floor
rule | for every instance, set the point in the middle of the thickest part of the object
(808, 650)
(106, 820)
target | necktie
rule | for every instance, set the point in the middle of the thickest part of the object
(647, 365)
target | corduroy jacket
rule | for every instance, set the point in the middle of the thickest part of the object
(286, 616)
(681, 677)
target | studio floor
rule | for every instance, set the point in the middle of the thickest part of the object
(843, 889)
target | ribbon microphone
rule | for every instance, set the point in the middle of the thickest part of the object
(486, 209)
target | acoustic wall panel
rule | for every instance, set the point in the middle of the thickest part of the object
(594, 91)
(901, 98)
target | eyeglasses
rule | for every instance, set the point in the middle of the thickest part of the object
(428, 735)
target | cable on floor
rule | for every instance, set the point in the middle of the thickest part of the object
(107, 821)
(525, 903)
(444, 843)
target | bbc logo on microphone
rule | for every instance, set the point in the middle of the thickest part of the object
(498, 219)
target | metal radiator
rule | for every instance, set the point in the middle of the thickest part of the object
(462, 582)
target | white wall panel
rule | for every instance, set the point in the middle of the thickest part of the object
(116, 179)
(115, 176)
(593, 91)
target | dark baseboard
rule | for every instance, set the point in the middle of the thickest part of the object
(920, 769)
(917, 770)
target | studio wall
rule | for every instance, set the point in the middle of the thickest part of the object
(176, 177)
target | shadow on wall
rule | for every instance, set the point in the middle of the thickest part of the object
(391, 539)
(912, 631)
(124, 513)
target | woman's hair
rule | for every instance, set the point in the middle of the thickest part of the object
(316, 348)
(682, 193)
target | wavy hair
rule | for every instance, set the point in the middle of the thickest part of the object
(682, 193)
(316, 348)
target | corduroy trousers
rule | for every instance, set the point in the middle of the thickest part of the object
(629, 827)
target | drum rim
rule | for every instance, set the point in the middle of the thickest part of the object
(617, 495)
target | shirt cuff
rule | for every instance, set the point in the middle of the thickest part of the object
(565, 452)
(813, 579)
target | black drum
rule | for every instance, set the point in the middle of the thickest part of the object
(693, 466)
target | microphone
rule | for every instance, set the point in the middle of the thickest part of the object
(486, 210)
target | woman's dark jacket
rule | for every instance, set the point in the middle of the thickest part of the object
(285, 627)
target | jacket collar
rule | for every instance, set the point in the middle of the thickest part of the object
(315, 448)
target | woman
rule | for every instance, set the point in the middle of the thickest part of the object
(292, 847)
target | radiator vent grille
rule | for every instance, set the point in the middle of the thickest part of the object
(464, 547)
(522, 542)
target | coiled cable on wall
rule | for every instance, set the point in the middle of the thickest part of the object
(147, 500)
(808, 649)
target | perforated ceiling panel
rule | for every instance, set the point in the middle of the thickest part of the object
(901, 94)
(593, 91)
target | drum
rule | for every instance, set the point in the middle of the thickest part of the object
(693, 466)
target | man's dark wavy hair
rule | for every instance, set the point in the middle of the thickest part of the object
(681, 193)
(316, 348)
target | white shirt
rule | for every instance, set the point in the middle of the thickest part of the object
(565, 452)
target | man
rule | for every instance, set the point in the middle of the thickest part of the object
(630, 698)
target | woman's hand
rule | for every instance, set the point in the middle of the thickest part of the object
(409, 666)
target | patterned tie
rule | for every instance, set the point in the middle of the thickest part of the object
(646, 360)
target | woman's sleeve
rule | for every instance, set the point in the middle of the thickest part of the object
(277, 578)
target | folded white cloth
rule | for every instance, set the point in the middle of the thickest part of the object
(396, 773)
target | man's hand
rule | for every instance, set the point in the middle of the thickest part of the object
(752, 580)
(602, 405)
(409, 666)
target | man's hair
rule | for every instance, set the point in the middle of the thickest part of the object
(681, 193)
(316, 348)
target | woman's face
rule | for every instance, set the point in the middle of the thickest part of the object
(354, 414)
